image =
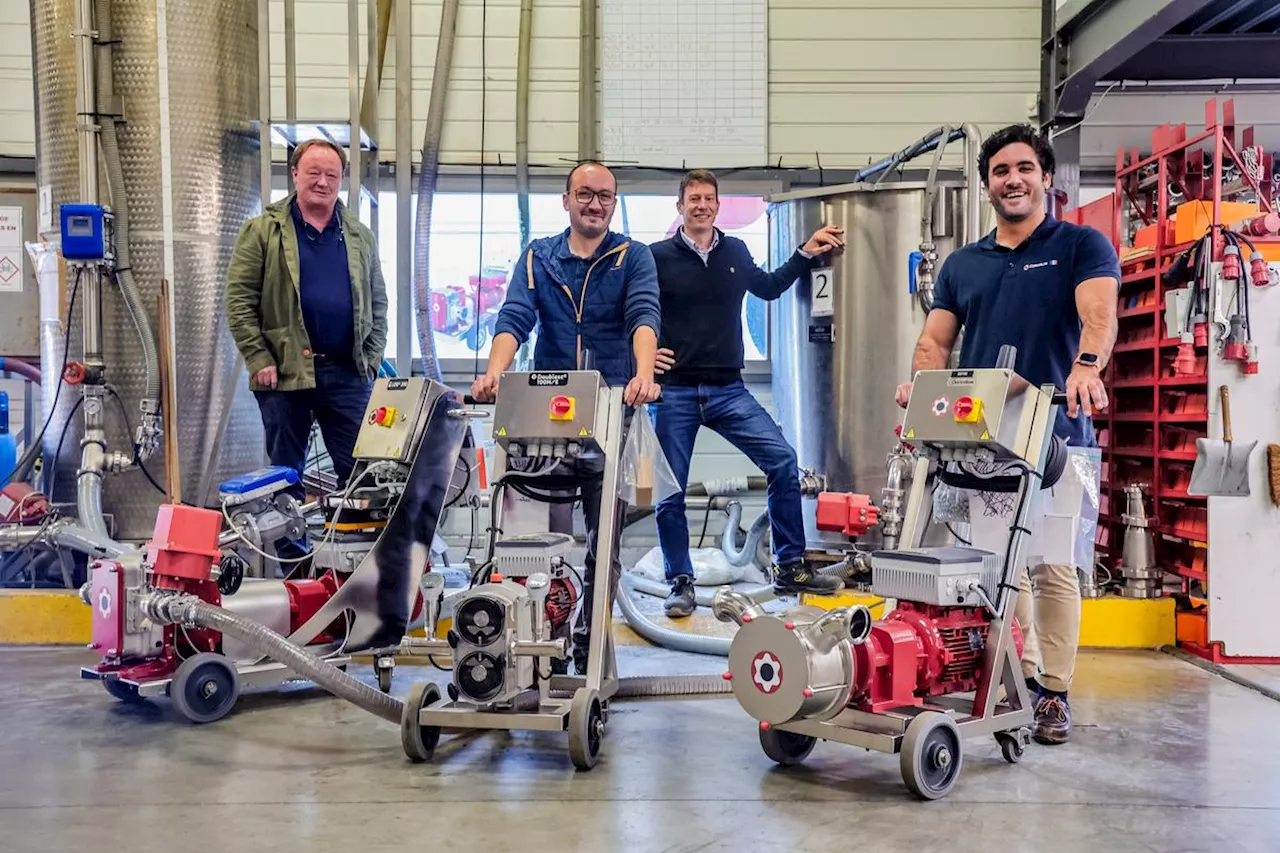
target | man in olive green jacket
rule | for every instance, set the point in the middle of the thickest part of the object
(307, 307)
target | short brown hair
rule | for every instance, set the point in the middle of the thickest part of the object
(698, 176)
(296, 158)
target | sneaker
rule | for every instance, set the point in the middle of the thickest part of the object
(798, 577)
(1053, 720)
(681, 601)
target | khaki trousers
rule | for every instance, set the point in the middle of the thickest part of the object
(1048, 611)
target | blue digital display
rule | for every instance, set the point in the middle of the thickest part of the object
(83, 233)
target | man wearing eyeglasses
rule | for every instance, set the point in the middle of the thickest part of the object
(587, 289)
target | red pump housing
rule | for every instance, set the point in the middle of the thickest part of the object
(921, 650)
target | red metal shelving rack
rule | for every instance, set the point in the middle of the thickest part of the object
(1148, 433)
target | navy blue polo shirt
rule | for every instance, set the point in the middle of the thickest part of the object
(1026, 297)
(324, 283)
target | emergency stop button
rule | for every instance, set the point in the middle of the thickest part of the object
(384, 416)
(967, 410)
(562, 408)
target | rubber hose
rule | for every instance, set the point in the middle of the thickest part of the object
(703, 595)
(298, 659)
(18, 367)
(747, 554)
(428, 173)
(679, 641)
(671, 685)
(843, 569)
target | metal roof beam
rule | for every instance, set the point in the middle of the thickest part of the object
(1100, 42)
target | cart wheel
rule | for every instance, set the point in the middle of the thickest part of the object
(786, 748)
(586, 728)
(931, 755)
(1010, 746)
(384, 679)
(205, 687)
(419, 741)
(126, 693)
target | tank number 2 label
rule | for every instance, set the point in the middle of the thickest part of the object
(822, 301)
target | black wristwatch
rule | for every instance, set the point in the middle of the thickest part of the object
(1088, 359)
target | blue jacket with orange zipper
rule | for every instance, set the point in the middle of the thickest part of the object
(580, 304)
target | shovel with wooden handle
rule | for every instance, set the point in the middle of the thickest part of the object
(1222, 467)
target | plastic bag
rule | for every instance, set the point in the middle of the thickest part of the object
(710, 567)
(645, 476)
(1063, 518)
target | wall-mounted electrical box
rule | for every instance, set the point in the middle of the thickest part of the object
(83, 232)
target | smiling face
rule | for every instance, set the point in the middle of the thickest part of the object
(699, 207)
(591, 200)
(1016, 183)
(318, 177)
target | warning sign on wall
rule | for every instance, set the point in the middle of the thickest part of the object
(10, 250)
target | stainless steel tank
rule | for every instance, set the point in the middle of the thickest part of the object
(834, 376)
(208, 64)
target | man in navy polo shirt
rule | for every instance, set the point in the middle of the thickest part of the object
(1048, 288)
(703, 276)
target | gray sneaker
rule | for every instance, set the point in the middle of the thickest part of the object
(681, 602)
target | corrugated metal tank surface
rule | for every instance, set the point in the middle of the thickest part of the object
(834, 377)
(212, 79)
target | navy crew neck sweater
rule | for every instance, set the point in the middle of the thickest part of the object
(702, 305)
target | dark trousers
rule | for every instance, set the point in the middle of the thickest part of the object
(561, 521)
(337, 404)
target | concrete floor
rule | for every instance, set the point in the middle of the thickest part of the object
(1165, 757)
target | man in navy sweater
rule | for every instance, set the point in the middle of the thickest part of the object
(703, 276)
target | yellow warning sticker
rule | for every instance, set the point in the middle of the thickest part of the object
(584, 431)
(911, 433)
(985, 435)
(502, 431)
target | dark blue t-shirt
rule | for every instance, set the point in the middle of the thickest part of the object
(324, 283)
(1026, 297)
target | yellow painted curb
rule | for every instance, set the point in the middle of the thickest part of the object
(44, 617)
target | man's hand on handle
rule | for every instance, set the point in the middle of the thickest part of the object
(664, 361)
(641, 390)
(485, 388)
(1086, 391)
(903, 394)
(267, 377)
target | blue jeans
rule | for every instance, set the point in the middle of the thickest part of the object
(337, 404)
(731, 411)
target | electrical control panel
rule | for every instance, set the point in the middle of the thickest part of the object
(548, 407)
(84, 233)
(394, 417)
(991, 408)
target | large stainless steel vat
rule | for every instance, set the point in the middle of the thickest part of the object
(834, 377)
(204, 55)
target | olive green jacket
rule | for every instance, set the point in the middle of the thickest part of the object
(264, 306)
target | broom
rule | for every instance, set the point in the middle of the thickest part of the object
(1273, 469)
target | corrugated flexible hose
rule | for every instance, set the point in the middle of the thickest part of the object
(191, 611)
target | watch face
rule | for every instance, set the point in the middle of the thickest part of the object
(1088, 358)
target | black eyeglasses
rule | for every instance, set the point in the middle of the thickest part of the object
(586, 196)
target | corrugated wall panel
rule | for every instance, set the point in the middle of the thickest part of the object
(853, 80)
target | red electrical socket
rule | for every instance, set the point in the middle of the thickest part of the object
(1231, 263)
(1259, 272)
(1184, 364)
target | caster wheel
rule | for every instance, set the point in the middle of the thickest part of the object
(205, 687)
(786, 748)
(384, 679)
(586, 728)
(1011, 745)
(931, 755)
(419, 741)
(126, 693)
